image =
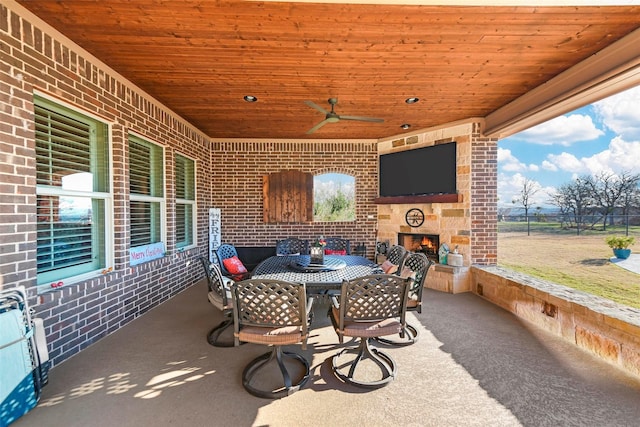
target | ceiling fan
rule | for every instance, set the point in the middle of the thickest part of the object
(333, 117)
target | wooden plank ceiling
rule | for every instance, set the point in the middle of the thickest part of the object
(201, 57)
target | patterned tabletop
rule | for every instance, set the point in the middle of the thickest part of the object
(280, 268)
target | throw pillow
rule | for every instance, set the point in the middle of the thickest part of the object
(234, 265)
(388, 267)
(335, 252)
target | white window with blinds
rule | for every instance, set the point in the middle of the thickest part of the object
(185, 174)
(74, 201)
(146, 187)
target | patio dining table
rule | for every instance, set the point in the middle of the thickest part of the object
(329, 276)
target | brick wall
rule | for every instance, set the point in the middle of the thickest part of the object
(237, 187)
(34, 58)
(484, 195)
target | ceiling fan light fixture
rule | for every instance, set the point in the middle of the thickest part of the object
(250, 98)
(412, 100)
(333, 117)
(405, 126)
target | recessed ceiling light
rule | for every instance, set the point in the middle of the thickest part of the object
(405, 126)
(412, 100)
(250, 98)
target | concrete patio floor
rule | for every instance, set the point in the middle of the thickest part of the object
(474, 365)
(632, 263)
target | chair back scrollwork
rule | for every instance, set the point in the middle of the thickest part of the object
(396, 254)
(292, 246)
(338, 244)
(417, 264)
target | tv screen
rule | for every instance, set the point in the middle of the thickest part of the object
(423, 171)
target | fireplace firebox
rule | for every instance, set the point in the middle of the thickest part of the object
(428, 244)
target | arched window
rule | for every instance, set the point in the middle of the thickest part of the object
(334, 197)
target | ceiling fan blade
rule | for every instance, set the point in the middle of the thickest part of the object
(318, 126)
(316, 106)
(362, 119)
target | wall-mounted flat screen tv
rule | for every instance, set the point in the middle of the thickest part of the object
(423, 171)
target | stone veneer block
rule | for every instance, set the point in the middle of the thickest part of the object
(461, 281)
(412, 139)
(459, 213)
(598, 344)
(630, 358)
(463, 170)
(397, 143)
(460, 240)
(633, 330)
(439, 281)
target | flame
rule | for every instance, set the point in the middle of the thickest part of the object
(426, 242)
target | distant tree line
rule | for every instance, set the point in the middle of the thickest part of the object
(590, 199)
(335, 205)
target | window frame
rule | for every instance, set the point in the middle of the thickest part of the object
(187, 203)
(157, 154)
(102, 221)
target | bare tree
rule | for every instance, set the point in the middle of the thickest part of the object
(528, 190)
(575, 199)
(611, 191)
(630, 198)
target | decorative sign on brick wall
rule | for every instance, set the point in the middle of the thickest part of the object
(215, 232)
(141, 254)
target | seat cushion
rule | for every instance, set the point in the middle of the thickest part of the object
(377, 328)
(407, 272)
(388, 267)
(270, 336)
(234, 265)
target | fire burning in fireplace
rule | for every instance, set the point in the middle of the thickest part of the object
(425, 243)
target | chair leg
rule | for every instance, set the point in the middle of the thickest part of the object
(289, 387)
(213, 337)
(384, 362)
(411, 335)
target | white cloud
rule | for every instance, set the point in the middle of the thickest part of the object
(510, 163)
(549, 166)
(620, 156)
(566, 162)
(621, 113)
(563, 130)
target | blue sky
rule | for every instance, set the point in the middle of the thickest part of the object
(604, 136)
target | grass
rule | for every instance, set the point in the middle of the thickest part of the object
(579, 262)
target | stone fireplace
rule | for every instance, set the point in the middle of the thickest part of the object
(428, 244)
(465, 220)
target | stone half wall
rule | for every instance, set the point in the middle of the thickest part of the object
(469, 223)
(606, 329)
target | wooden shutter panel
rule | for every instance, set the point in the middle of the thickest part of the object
(288, 197)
